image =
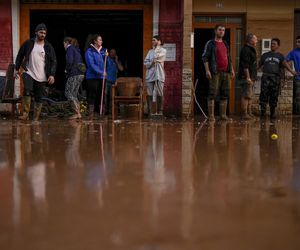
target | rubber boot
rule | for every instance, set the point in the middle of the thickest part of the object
(91, 112)
(249, 109)
(37, 111)
(244, 110)
(160, 105)
(76, 108)
(211, 111)
(149, 104)
(223, 110)
(272, 113)
(263, 111)
(26, 108)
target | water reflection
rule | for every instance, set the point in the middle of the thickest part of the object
(175, 180)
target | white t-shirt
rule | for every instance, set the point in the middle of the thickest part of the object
(36, 66)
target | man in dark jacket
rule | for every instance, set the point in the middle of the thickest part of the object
(219, 70)
(38, 60)
(248, 75)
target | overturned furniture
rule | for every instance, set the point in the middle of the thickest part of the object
(7, 90)
(128, 90)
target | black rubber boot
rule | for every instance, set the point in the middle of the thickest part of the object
(263, 111)
(160, 105)
(211, 111)
(37, 111)
(149, 104)
(26, 108)
(272, 113)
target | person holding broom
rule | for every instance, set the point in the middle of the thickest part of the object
(95, 57)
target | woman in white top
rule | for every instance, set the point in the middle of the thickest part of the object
(155, 74)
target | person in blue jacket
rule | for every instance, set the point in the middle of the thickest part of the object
(113, 66)
(74, 74)
(94, 57)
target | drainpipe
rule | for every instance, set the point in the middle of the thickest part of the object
(155, 17)
(15, 15)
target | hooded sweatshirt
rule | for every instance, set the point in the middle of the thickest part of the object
(94, 62)
(73, 58)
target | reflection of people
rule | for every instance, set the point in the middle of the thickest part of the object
(38, 60)
(74, 74)
(155, 74)
(94, 57)
(218, 68)
(112, 67)
(294, 56)
(155, 174)
(73, 157)
(248, 75)
(272, 62)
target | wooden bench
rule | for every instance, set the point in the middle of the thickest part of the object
(8, 90)
(128, 90)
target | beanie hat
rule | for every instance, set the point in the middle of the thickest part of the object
(40, 26)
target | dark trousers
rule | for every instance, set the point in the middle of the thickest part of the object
(108, 87)
(33, 87)
(270, 86)
(296, 97)
(94, 91)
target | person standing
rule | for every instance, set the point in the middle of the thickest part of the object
(155, 75)
(94, 57)
(294, 56)
(272, 64)
(219, 71)
(75, 74)
(248, 75)
(38, 60)
(112, 69)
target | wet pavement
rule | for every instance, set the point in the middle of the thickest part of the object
(150, 185)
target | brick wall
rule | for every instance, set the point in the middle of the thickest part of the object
(170, 28)
(5, 34)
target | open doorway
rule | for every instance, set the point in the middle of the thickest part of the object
(203, 26)
(120, 29)
(201, 36)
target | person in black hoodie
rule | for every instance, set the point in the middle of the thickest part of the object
(75, 74)
(38, 60)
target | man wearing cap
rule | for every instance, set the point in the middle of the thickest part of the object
(38, 60)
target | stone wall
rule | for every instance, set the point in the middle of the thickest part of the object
(187, 72)
(186, 91)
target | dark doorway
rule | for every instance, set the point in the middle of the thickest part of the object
(201, 37)
(122, 30)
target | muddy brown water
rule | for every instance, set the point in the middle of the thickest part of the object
(149, 185)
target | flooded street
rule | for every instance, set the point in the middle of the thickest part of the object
(150, 185)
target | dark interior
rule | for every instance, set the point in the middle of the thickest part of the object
(122, 30)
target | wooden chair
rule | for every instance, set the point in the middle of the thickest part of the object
(8, 93)
(128, 90)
